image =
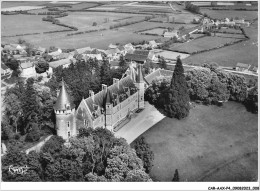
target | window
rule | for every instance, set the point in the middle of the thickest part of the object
(68, 124)
(85, 122)
(68, 134)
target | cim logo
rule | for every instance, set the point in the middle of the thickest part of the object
(18, 169)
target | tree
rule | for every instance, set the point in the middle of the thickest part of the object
(162, 63)
(105, 72)
(251, 102)
(13, 64)
(34, 133)
(122, 62)
(175, 100)
(176, 176)
(94, 24)
(42, 66)
(29, 49)
(144, 152)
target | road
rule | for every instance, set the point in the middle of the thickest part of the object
(140, 123)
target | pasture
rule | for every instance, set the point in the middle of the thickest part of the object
(178, 17)
(212, 144)
(21, 24)
(207, 42)
(156, 31)
(84, 20)
(7, 4)
(222, 14)
(170, 55)
(95, 39)
(149, 25)
(245, 52)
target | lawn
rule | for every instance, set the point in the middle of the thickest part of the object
(21, 24)
(221, 14)
(7, 4)
(245, 52)
(207, 146)
(207, 42)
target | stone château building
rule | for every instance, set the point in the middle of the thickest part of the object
(108, 108)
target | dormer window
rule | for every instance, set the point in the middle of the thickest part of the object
(67, 106)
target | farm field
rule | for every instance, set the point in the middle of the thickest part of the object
(21, 8)
(170, 55)
(84, 20)
(221, 14)
(207, 146)
(149, 25)
(244, 52)
(21, 24)
(178, 17)
(94, 39)
(207, 42)
(6, 4)
(226, 35)
(156, 31)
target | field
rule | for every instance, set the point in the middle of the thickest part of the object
(178, 17)
(21, 24)
(207, 42)
(169, 55)
(212, 144)
(7, 4)
(221, 14)
(95, 39)
(148, 25)
(84, 20)
(245, 52)
(156, 31)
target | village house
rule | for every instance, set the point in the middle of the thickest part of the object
(27, 67)
(63, 62)
(113, 54)
(40, 50)
(5, 70)
(253, 69)
(174, 33)
(55, 55)
(138, 56)
(242, 67)
(128, 48)
(114, 64)
(152, 44)
(107, 108)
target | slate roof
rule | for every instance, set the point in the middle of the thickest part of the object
(135, 57)
(25, 65)
(158, 73)
(57, 63)
(83, 50)
(63, 99)
(101, 98)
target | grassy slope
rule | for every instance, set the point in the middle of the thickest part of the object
(208, 138)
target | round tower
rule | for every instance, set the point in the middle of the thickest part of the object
(65, 114)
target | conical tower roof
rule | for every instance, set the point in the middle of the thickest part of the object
(139, 77)
(63, 99)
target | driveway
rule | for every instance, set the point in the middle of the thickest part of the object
(140, 123)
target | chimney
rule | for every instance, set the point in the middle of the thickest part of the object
(116, 81)
(104, 87)
(91, 94)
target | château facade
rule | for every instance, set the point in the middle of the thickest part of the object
(107, 108)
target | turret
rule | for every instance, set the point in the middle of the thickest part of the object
(65, 114)
(140, 85)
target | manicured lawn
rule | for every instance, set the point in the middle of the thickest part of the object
(212, 144)
(207, 42)
(21, 24)
(245, 52)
